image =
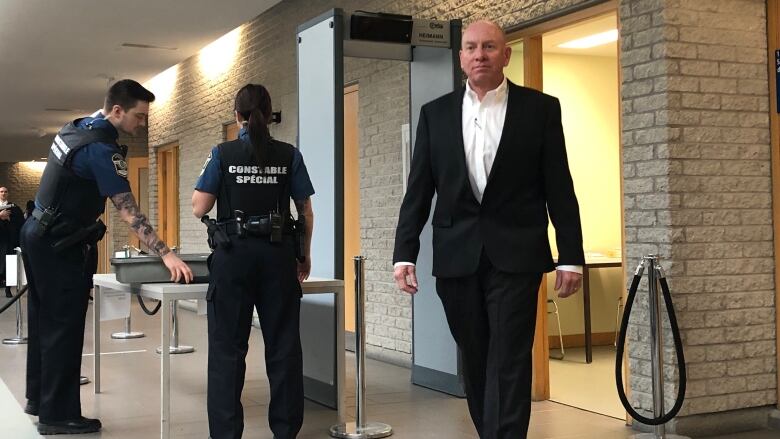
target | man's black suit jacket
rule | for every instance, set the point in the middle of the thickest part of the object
(530, 176)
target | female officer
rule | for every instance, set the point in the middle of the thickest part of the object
(252, 179)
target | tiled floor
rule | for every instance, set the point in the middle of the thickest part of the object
(587, 386)
(129, 404)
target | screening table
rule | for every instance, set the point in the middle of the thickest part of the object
(169, 292)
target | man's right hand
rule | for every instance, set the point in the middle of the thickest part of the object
(5, 214)
(406, 278)
(179, 270)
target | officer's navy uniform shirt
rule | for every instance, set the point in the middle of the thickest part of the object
(94, 161)
(211, 176)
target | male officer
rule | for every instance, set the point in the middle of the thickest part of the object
(496, 180)
(85, 166)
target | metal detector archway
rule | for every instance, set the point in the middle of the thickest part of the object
(432, 51)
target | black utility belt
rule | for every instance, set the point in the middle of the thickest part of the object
(66, 233)
(256, 226)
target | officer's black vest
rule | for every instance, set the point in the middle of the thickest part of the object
(254, 189)
(77, 199)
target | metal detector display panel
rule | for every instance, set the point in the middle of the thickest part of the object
(320, 136)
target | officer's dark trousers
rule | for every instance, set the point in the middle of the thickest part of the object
(58, 293)
(254, 274)
(492, 316)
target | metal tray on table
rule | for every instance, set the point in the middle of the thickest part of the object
(150, 269)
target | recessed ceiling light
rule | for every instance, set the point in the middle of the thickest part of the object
(591, 40)
(146, 46)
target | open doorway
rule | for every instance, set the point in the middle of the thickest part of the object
(577, 62)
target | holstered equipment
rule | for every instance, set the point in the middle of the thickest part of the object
(216, 235)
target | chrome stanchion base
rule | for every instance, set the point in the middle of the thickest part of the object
(370, 430)
(181, 349)
(127, 335)
(83, 380)
(15, 340)
(654, 436)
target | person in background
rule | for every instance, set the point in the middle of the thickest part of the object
(11, 220)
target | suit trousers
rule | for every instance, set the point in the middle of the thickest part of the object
(492, 316)
(254, 273)
(59, 284)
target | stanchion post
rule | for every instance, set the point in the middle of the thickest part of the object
(650, 262)
(174, 342)
(360, 429)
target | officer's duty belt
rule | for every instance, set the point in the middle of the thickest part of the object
(255, 226)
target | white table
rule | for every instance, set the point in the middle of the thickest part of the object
(168, 292)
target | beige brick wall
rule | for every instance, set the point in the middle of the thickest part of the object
(22, 180)
(696, 159)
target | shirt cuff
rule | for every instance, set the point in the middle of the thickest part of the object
(398, 264)
(574, 268)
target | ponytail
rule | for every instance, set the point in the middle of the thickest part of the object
(253, 103)
(258, 134)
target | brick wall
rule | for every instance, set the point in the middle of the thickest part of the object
(696, 159)
(22, 180)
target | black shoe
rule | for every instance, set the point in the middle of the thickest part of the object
(75, 426)
(31, 408)
(8, 292)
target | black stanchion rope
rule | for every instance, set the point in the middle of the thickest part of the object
(145, 309)
(13, 299)
(677, 347)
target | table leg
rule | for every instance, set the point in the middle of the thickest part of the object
(165, 378)
(340, 355)
(96, 335)
(586, 307)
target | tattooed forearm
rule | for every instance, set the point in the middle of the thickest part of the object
(132, 215)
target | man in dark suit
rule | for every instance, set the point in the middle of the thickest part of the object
(496, 179)
(11, 220)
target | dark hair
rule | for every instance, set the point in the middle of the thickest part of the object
(126, 93)
(253, 103)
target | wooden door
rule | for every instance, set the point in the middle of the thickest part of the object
(138, 177)
(351, 201)
(168, 194)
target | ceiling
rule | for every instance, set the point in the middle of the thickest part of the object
(61, 55)
(551, 40)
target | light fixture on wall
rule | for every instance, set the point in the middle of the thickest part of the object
(220, 55)
(594, 40)
(163, 85)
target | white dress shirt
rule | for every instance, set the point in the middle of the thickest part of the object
(483, 123)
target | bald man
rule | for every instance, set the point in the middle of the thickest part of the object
(496, 180)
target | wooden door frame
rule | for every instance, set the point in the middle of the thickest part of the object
(168, 197)
(773, 43)
(134, 165)
(531, 37)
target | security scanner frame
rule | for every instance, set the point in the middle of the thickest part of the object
(431, 49)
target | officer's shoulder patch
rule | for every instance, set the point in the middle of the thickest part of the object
(208, 159)
(120, 165)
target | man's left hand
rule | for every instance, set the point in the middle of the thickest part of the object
(567, 282)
